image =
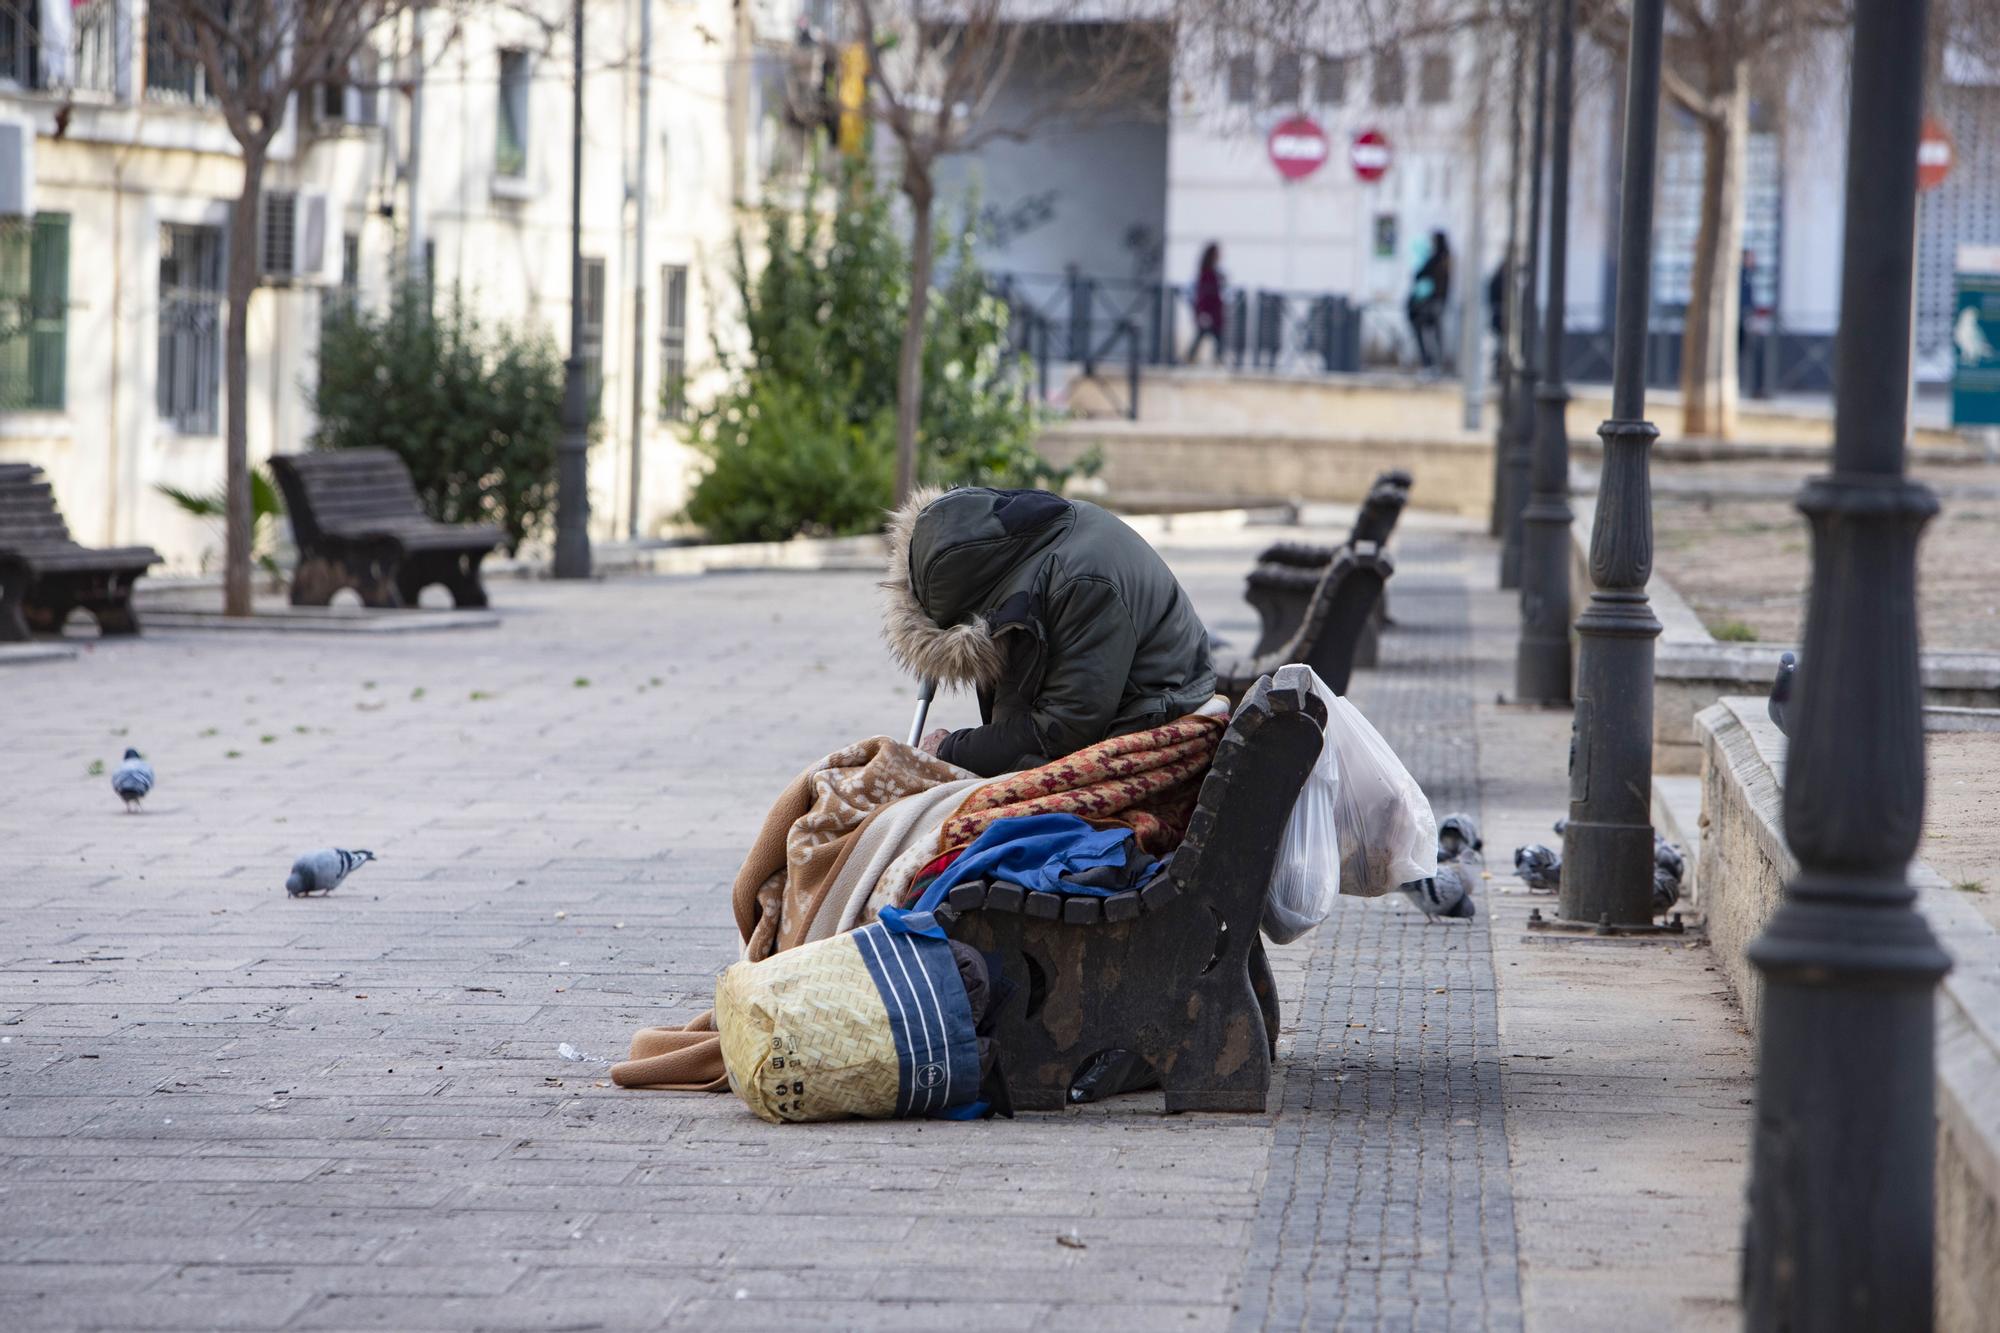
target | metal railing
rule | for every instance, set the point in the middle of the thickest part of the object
(1086, 320)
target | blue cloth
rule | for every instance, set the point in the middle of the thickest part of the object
(1034, 851)
(930, 1018)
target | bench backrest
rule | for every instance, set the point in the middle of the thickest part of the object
(1274, 738)
(333, 489)
(1379, 513)
(1327, 637)
(28, 512)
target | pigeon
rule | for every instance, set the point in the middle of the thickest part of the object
(1449, 892)
(1457, 835)
(1446, 894)
(323, 871)
(1781, 691)
(1668, 867)
(132, 780)
(1538, 867)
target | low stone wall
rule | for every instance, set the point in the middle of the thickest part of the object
(1743, 864)
(1224, 464)
(1741, 870)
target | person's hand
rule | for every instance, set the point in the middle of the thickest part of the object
(931, 743)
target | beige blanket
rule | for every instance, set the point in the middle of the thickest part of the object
(808, 875)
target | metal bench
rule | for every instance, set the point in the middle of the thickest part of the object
(45, 574)
(358, 524)
(1281, 582)
(1174, 972)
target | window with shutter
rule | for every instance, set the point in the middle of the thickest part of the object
(673, 341)
(34, 313)
(591, 348)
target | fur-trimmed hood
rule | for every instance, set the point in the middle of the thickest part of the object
(950, 553)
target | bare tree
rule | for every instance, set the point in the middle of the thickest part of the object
(255, 56)
(935, 76)
(1717, 54)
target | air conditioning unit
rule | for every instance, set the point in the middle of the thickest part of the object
(293, 241)
(17, 169)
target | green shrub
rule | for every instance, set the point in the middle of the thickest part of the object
(474, 410)
(802, 439)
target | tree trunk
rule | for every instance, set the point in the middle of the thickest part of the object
(910, 365)
(1708, 342)
(236, 381)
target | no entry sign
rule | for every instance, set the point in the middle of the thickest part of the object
(1298, 148)
(1935, 155)
(1371, 155)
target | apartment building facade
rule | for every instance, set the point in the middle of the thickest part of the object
(445, 158)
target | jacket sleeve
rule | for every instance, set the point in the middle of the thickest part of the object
(1091, 642)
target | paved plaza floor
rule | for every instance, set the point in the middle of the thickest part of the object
(220, 1108)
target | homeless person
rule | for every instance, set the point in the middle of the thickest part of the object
(1066, 621)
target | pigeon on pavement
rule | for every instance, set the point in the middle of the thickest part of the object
(1781, 691)
(1538, 867)
(1457, 835)
(132, 779)
(1447, 894)
(323, 871)
(1668, 867)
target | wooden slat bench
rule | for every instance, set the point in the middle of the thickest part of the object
(358, 524)
(1281, 582)
(1339, 601)
(45, 574)
(1174, 972)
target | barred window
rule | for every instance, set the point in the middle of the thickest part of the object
(189, 388)
(1391, 79)
(1434, 78)
(1287, 77)
(1331, 81)
(34, 312)
(1242, 80)
(673, 341)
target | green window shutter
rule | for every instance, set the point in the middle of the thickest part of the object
(48, 300)
(15, 318)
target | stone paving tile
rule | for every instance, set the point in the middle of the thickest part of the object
(350, 1113)
(1389, 1170)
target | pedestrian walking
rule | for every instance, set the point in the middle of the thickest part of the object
(1208, 313)
(1428, 292)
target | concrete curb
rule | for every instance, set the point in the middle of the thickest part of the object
(1745, 773)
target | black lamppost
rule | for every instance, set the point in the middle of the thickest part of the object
(1840, 1229)
(1608, 844)
(1521, 426)
(1510, 323)
(1541, 661)
(572, 449)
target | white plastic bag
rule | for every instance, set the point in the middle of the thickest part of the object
(1361, 826)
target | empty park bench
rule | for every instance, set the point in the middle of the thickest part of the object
(358, 524)
(1339, 602)
(45, 575)
(1281, 583)
(1173, 972)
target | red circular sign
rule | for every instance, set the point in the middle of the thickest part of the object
(1298, 148)
(1371, 155)
(1935, 155)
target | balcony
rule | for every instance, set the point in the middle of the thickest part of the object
(55, 47)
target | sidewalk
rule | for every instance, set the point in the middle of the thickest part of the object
(220, 1108)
